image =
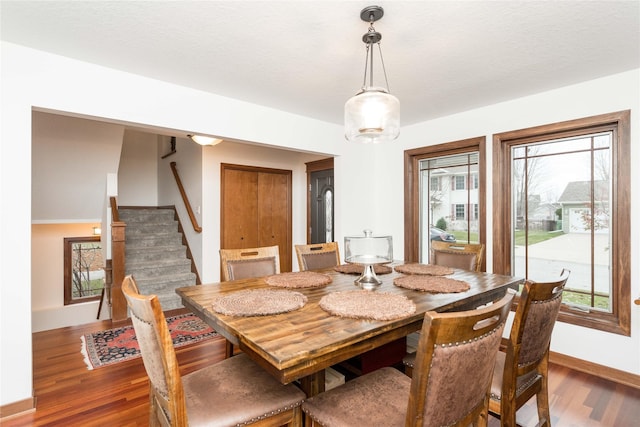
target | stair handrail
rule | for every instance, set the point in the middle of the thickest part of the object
(118, 302)
(185, 199)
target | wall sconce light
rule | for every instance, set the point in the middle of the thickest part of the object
(373, 114)
(205, 140)
(97, 231)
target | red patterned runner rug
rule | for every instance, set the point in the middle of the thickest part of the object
(105, 348)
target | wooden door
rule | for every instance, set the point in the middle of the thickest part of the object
(256, 209)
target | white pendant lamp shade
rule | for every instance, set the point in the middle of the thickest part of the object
(372, 116)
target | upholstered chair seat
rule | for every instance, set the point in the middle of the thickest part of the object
(450, 386)
(376, 399)
(233, 392)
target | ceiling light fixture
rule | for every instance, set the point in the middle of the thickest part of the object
(373, 114)
(205, 140)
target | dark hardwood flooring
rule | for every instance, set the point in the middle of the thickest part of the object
(70, 395)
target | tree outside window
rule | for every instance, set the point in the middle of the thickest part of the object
(562, 202)
(83, 269)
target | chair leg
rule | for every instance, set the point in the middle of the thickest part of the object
(483, 417)
(153, 409)
(542, 401)
(297, 417)
(508, 414)
(408, 371)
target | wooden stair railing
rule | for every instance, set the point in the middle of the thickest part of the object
(185, 199)
(118, 302)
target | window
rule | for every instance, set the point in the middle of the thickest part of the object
(435, 183)
(429, 207)
(561, 194)
(83, 269)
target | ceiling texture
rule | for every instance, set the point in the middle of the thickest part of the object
(307, 57)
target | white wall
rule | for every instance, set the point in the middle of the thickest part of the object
(614, 93)
(47, 278)
(369, 179)
(33, 79)
(188, 159)
(138, 169)
(79, 153)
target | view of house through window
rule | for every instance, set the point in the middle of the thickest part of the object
(83, 269)
(449, 195)
(561, 192)
(561, 201)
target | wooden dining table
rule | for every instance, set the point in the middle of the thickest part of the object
(299, 345)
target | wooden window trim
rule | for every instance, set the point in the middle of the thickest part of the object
(412, 159)
(619, 321)
(68, 245)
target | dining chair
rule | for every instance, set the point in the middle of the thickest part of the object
(318, 255)
(235, 391)
(454, 366)
(521, 370)
(467, 256)
(248, 263)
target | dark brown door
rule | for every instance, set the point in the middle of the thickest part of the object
(322, 206)
(320, 201)
(256, 209)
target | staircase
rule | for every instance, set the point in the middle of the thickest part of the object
(155, 255)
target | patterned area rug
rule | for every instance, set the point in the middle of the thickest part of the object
(117, 345)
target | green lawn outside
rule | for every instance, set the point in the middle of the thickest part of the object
(461, 236)
(534, 236)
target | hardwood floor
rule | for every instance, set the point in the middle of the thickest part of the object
(70, 395)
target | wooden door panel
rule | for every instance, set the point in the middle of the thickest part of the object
(274, 225)
(256, 209)
(239, 209)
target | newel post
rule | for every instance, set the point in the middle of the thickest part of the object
(118, 303)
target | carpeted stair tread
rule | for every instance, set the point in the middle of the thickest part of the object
(144, 241)
(155, 254)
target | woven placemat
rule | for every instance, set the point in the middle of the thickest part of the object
(430, 269)
(359, 268)
(361, 304)
(298, 280)
(259, 302)
(433, 284)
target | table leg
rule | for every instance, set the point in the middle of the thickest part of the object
(313, 384)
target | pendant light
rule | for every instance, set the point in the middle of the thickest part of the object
(373, 114)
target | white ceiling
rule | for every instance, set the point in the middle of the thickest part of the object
(307, 57)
